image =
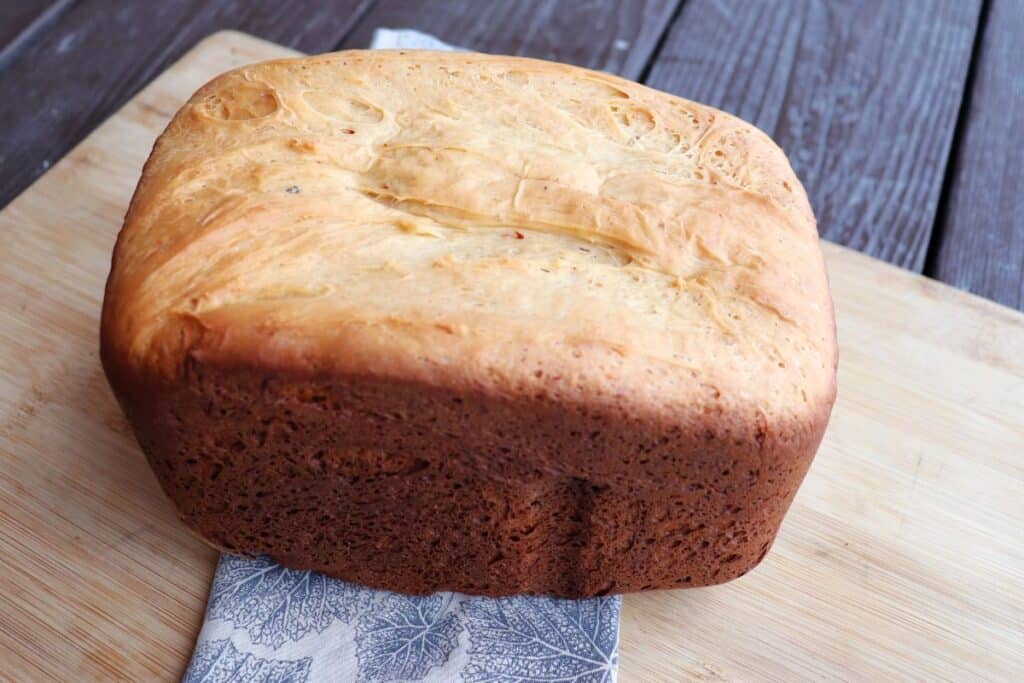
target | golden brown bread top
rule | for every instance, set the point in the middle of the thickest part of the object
(504, 224)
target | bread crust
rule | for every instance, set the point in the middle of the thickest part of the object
(417, 489)
(453, 350)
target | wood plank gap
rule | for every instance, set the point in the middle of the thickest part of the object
(956, 146)
(660, 44)
(42, 23)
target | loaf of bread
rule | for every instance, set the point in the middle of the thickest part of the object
(438, 321)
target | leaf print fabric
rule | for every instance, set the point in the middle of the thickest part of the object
(219, 662)
(405, 637)
(542, 639)
(268, 623)
(275, 604)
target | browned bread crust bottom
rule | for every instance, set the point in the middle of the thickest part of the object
(417, 489)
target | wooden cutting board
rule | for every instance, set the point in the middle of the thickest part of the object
(902, 557)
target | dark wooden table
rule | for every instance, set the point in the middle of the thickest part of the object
(903, 118)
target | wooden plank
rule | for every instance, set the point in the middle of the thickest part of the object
(982, 232)
(863, 96)
(611, 35)
(900, 558)
(307, 25)
(100, 52)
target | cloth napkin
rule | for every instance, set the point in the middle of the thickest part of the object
(267, 623)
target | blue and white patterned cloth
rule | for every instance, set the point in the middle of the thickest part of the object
(268, 623)
(265, 623)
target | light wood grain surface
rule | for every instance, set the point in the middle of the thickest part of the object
(902, 558)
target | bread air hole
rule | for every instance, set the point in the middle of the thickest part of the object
(239, 103)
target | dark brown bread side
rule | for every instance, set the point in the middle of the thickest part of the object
(415, 489)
